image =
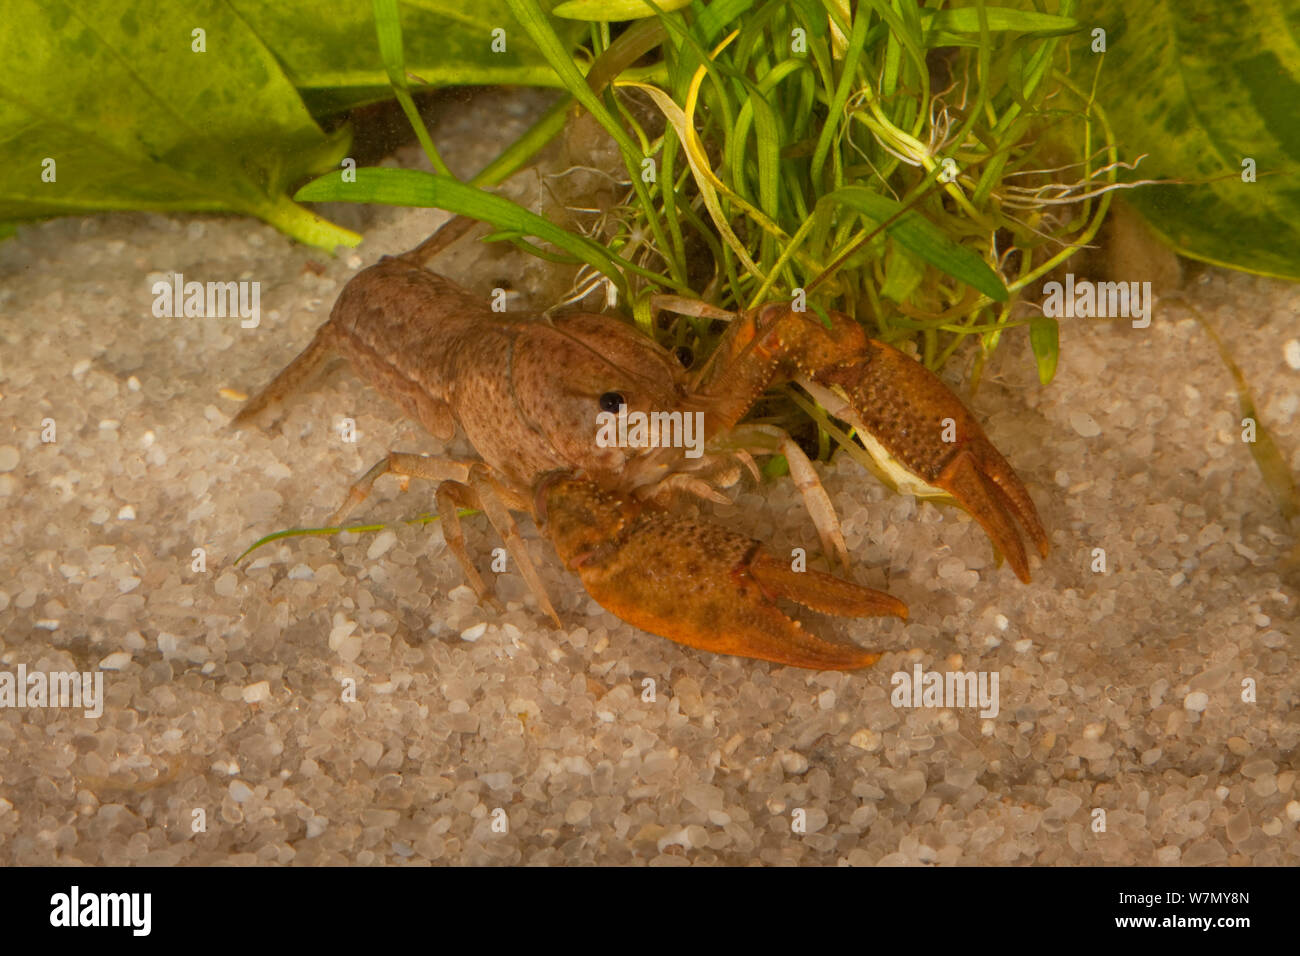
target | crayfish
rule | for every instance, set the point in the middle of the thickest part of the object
(526, 392)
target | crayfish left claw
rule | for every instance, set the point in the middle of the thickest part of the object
(698, 584)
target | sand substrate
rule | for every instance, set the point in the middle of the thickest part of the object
(1161, 691)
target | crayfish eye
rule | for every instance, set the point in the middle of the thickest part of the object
(685, 356)
(610, 401)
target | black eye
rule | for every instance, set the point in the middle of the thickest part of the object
(685, 356)
(610, 401)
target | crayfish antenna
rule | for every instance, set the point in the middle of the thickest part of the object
(451, 230)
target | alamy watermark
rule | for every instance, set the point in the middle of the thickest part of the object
(73, 689)
(946, 689)
(210, 300)
(624, 429)
(1098, 300)
(75, 908)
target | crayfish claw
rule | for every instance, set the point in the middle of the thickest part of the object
(1010, 492)
(824, 592)
(925, 442)
(986, 503)
(699, 584)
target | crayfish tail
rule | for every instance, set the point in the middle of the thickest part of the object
(309, 363)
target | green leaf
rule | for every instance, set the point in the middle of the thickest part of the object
(758, 113)
(719, 14)
(776, 467)
(425, 518)
(1215, 89)
(413, 187)
(1272, 464)
(532, 19)
(612, 11)
(920, 236)
(532, 248)
(132, 117)
(953, 27)
(903, 273)
(388, 26)
(1044, 339)
(334, 61)
(548, 126)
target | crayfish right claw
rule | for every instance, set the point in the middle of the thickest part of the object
(921, 438)
(701, 585)
(926, 442)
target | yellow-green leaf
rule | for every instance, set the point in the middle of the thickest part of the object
(1044, 339)
(1212, 98)
(106, 106)
(612, 11)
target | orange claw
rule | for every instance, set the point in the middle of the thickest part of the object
(698, 584)
(922, 427)
(922, 437)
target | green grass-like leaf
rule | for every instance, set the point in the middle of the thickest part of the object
(920, 236)
(613, 11)
(425, 518)
(1045, 340)
(388, 27)
(412, 187)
